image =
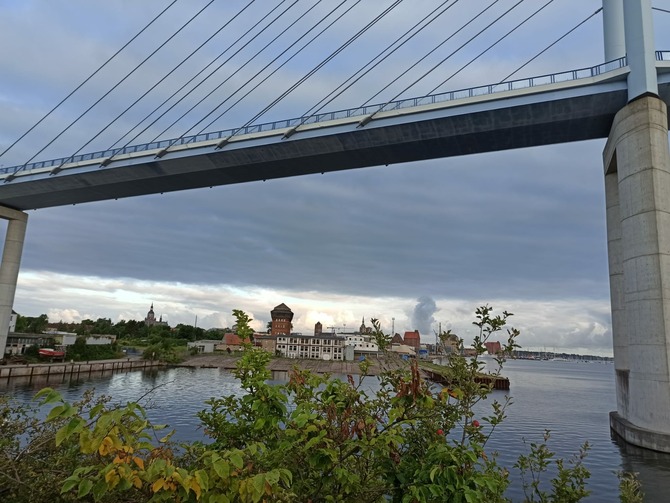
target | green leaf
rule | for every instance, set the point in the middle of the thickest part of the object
(259, 487)
(272, 477)
(203, 479)
(76, 424)
(55, 412)
(48, 395)
(166, 437)
(84, 488)
(69, 484)
(236, 460)
(99, 489)
(222, 468)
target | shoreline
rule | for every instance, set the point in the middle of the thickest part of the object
(378, 364)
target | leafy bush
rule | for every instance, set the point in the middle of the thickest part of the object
(80, 351)
(163, 351)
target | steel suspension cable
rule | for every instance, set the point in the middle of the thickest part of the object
(549, 47)
(218, 67)
(221, 54)
(481, 13)
(244, 65)
(88, 79)
(320, 65)
(661, 10)
(490, 47)
(282, 64)
(161, 80)
(369, 66)
(121, 81)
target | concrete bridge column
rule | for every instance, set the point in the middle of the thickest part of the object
(620, 341)
(9, 267)
(637, 178)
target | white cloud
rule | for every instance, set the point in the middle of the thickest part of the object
(544, 325)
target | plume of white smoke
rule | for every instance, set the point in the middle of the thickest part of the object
(422, 316)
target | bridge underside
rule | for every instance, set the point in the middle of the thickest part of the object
(461, 131)
(506, 127)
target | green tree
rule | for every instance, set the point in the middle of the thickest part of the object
(383, 341)
(188, 332)
(30, 325)
(103, 326)
(160, 332)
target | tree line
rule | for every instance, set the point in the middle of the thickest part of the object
(124, 329)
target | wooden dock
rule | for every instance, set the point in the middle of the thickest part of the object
(497, 382)
(44, 373)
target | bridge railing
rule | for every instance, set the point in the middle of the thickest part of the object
(472, 92)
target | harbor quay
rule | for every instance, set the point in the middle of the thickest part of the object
(376, 367)
(44, 373)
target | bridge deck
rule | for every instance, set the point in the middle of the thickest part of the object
(553, 112)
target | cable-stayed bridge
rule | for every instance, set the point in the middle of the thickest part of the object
(557, 108)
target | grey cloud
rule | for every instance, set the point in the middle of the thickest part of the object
(422, 315)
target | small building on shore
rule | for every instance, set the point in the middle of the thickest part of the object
(68, 339)
(230, 341)
(266, 342)
(204, 345)
(363, 344)
(17, 343)
(402, 349)
(322, 347)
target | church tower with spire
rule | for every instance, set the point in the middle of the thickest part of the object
(151, 317)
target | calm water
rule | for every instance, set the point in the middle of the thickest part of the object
(572, 399)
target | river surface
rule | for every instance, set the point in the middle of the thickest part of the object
(570, 398)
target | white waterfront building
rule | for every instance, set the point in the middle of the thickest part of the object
(314, 347)
(362, 343)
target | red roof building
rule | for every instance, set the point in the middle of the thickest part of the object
(413, 339)
(232, 339)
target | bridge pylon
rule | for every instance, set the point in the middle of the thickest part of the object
(9, 267)
(637, 195)
(637, 191)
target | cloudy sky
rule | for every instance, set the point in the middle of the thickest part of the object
(414, 245)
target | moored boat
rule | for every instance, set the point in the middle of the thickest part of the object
(51, 353)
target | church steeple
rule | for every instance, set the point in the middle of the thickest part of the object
(151, 317)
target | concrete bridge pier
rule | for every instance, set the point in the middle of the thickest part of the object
(637, 186)
(9, 267)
